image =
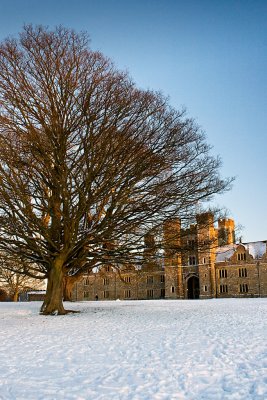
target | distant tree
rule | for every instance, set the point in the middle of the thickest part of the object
(88, 159)
(3, 295)
(14, 281)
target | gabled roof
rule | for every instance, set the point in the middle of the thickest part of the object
(224, 253)
(255, 249)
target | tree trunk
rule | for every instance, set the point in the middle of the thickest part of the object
(53, 302)
(15, 296)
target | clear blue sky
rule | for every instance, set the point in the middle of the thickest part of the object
(207, 55)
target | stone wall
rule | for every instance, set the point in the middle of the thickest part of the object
(190, 269)
(246, 279)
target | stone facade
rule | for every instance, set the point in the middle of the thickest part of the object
(210, 265)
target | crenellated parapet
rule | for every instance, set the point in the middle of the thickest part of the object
(226, 231)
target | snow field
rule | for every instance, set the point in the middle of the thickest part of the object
(135, 350)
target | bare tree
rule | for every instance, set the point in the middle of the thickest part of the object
(3, 295)
(88, 159)
(14, 280)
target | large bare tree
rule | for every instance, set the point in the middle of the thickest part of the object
(89, 163)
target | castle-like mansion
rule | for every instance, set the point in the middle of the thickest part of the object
(210, 265)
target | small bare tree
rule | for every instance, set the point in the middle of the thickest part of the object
(88, 159)
(3, 295)
(13, 279)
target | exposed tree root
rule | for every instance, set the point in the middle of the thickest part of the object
(58, 312)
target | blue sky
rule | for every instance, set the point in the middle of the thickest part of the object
(209, 56)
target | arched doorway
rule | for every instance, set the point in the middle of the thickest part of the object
(193, 288)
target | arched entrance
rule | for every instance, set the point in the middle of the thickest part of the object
(193, 288)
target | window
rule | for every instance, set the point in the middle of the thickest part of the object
(191, 243)
(150, 293)
(105, 281)
(107, 269)
(86, 282)
(204, 260)
(162, 293)
(127, 294)
(223, 289)
(241, 256)
(106, 294)
(127, 279)
(85, 295)
(172, 289)
(205, 288)
(192, 260)
(243, 288)
(243, 272)
(223, 273)
(162, 278)
(149, 280)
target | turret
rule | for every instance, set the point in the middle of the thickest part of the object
(149, 251)
(207, 244)
(172, 258)
(172, 237)
(226, 231)
(207, 237)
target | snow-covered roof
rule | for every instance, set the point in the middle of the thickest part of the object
(36, 292)
(256, 249)
(223, 253)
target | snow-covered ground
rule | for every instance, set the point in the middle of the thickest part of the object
(153, 350)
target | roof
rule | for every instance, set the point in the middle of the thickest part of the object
(36, 292)
(255, 249)
(224, 253)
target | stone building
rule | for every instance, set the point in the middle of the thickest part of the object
(199, 263)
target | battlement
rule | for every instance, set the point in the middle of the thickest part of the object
(226, 231)
(226, 223)
(205, 218)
